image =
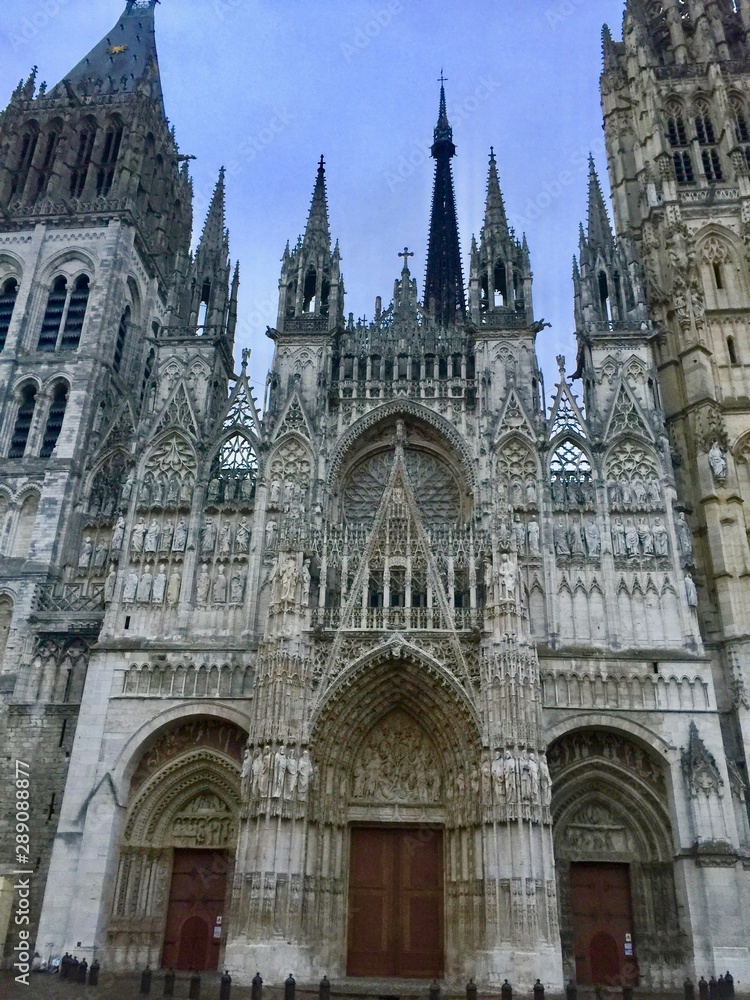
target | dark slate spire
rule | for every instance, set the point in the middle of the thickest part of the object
(124, 61)
(599, 229)
(318, 233)
(444, 283)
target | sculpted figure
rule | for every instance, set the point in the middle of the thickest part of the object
(109, 585)
(274, 497)
(654, 492)
(265, 771)
(100, 554)
(691, 591)
(214, 492)
(661, 538)
(152, 537)
(127, 486)
(618, 538)
(684, 537)
(498, 775)
(138, 536)
(173, 491)
(304, 774)
(237, 587)
(534, 538)
(489, 590)
(225, 540)
(718, 462)
(208, 536)
(519, 532)
(507, 578)
(220, 587)
(576, 539)
(144, 587)
(160, 586)
(279, 772)
(305, 581)
(639, 493)
(242, 538)
(531, 492)
(84, 559)
(257, 771)
(272, 530)
(166, 537)
(173, 590)
(131, 585)
(562, 544)
(290, 780)
(626, 492)
(118, 535)
(247, 766)
(180, 536)
(631, 539)
(511, 786)
(203, 584)
(289, 580)
(593, 538)
(645, 537)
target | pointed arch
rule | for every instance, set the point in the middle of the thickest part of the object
(571, 474)
(233, 469)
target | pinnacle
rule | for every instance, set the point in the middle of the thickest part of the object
(317, 221)
(599, 229)
(215, 237)
(495, 219)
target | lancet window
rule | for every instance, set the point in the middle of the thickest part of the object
(106, 173)
(54, 419)
(8, 295)
(64, 315)
(570, 478)
(704, 128)
(86, 138)
(678, 140)
(24, 417)
(234, 473)
(29, 142)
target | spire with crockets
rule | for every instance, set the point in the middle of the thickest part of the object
(444, 283)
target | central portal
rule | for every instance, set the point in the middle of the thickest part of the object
(396, 902)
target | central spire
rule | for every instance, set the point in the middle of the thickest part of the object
(444, 283)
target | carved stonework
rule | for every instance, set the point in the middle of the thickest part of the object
(699, 768)
(595, 829)
(223, 736)
(397, 763)
(580, 747)
(205, 822)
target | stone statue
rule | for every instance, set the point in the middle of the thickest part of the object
(631, 539)
(264, 777)
(577, 546)
(173, 491)
(225, 540)
(304, 775)
(562, 544)
(489, 594)
(208, 536)
(626, 492)
(661, 538)
(684, 537)
(618, 538)
(274, 497)
(290, 780)
(639, 493)
(246, 772)
(506, 576)
(289, 579)
(180, 536)
(160, 585)
(143, 595)
(257, 768)
(100, 554)
(498, 775)
(691, 591)
(242, 538)
(654, 492)
(511, 784)
(127, 487)
(534, 538)
(214, 492)
(718, 463)
(593, 538)
(645, 537)
(84, 559)
(109, 585)
(138, 536)
(272, 530)
(204, 581)
(220, 587)
(173, 590)
(118, 535)
(279, 772)
(519, 531)
(152, 537)
(131, 585)
(531, 492)
(305, 581)
(237, 587)
(166, 537)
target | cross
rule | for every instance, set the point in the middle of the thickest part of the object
(321, 165)
(443, 79)
(406, 255)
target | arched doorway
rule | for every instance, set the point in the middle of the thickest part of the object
(619, 923)
(177, 852)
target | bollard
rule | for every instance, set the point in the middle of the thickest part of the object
(225, 986)
(289, 987)
(627, 993)
(435, 990)
(146, 981)
(169, 983)
(94, 973)
(538, 990)
(702, 989)
(689, 990)
(728, 986)
(83, 969)
(256, 993)
(195, 987)
(506, 991)
(324, 990)
(571, 991)
(471, 990)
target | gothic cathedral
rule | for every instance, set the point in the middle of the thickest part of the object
(404, 673)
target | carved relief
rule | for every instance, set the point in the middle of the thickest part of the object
(397, 763)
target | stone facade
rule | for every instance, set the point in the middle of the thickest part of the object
(406, 596)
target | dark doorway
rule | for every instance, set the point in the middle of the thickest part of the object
(603, 938)
(194, 930)
(396, 902)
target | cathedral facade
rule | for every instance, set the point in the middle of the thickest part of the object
(403, 673)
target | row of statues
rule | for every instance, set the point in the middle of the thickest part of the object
(231, 490)
(222, 587)
(633, 541)
(282, 775)
(634, 494)
(147, 587)
(577, 539)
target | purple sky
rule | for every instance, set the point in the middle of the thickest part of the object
(265, 87)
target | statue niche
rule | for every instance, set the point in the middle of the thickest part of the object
(397, 764)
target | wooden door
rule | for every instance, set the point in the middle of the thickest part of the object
(396, 902)
(196, 910)
(603, 939)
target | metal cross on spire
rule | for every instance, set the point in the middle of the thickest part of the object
(406, 255)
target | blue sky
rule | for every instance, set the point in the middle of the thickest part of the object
(264, 87)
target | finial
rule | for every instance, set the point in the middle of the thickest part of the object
(492, 154)
(322, 164)
(406, 254)
(246, 352)
(561, 364)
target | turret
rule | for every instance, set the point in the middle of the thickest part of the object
(207, 287)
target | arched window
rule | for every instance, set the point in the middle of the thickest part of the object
(54, 419)
(76, 314)
(25, 527)
(147, 369)
(308, 297)
(8, 294)
(29, 142)
(604, 303)
(704, 129)
(51, 142)
(82, 162)
(53, 315)
(570, 477)
(683, 167)
(23, 421)
(501, 285)
(105, 175)
(122, 334)
(203, 305)
(234, 473)
(678, 140)
(732, 351)
(6, 616)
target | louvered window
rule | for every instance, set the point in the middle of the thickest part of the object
(710, 158)
(45, 170)
(712, 164)
(7, 303)
(53, 315)
(76, 314)
(683, 167)
(122, 334)
(54, 420)
(82, 162)
(23, 422)
(28, 148)
(106, 173)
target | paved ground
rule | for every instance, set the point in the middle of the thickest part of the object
(47, 987)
